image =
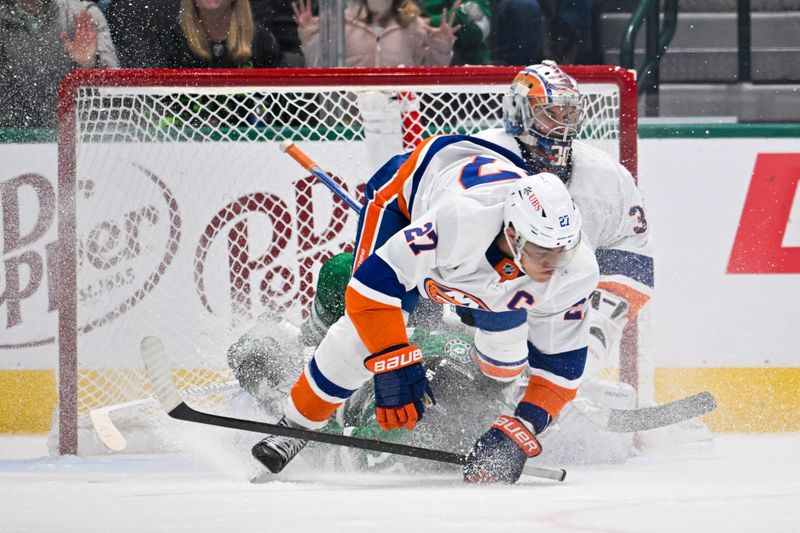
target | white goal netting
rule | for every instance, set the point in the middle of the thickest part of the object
(189, 222)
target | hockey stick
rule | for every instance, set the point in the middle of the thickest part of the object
(111, 436)
(288, 147)
(160, 376)
(616, 420)
(106, 430)
(644, 418)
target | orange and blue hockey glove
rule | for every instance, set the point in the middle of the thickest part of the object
(500, 454)
(401, 387)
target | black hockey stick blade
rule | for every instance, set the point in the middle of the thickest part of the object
(160, 376)
(622, 420)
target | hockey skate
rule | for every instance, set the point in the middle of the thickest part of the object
(275, 451)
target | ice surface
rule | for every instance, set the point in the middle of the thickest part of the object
(745, 483)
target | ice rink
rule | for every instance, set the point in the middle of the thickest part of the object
(743, 483)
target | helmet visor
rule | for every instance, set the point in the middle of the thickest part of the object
(550, 257)
(557, 121)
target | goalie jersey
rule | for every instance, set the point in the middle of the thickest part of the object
(429, 227)
(614, 218)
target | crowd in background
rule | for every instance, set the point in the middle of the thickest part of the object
(42, 40)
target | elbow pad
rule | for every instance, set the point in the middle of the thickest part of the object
(502, 355)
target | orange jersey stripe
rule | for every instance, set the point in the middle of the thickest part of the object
(380, 326)
(384, 196)
(308, 403)
(500, 372)
(368, 233)
(635, 298)
(549, 396)
(404, 173)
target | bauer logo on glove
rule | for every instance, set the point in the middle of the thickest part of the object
(402, 388)
(393, 360)
(523, 438)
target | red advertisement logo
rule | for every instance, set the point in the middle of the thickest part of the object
(758, 247)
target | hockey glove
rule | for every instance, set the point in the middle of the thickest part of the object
(500, 454)
(401, 387)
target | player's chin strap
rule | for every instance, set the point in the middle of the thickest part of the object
(515, 245)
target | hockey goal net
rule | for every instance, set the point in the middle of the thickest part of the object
(179, 217)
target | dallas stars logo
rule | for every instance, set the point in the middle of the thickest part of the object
(458, 350)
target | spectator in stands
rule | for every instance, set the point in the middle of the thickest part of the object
(517, 32)
(472, 43)
(571, 31)
(219, 34)
(40, 42)
(381, 33)
(136, 27)
(278, 17)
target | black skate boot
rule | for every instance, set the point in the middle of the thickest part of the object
(275, 451)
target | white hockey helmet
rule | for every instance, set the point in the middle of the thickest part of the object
(545, 219)
(544, 108)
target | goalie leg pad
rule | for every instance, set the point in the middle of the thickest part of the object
(577, 438)
(606, 322)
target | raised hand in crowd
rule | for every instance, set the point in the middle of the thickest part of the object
(446, 31)
(303, 14)
(83, 46)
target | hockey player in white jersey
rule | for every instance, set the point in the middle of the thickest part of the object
(460, 222)
(542, 114)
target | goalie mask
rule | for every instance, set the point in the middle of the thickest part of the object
(546, 221)
(544, 109)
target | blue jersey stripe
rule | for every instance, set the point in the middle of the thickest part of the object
(447, 140)
(325, 385)
(568, 365)
(619, 262)
(533, 414)
(492, 321)
(391, 221)
(495, 362)
(384, 175)
(376, 274)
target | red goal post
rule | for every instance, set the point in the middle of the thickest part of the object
(179, 217)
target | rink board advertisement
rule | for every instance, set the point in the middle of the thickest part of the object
(194, 252)
(197, 246)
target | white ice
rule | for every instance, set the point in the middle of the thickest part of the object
(747, 483)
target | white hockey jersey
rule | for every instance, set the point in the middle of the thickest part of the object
(614, 218)
(453, 190)
(430, 227)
